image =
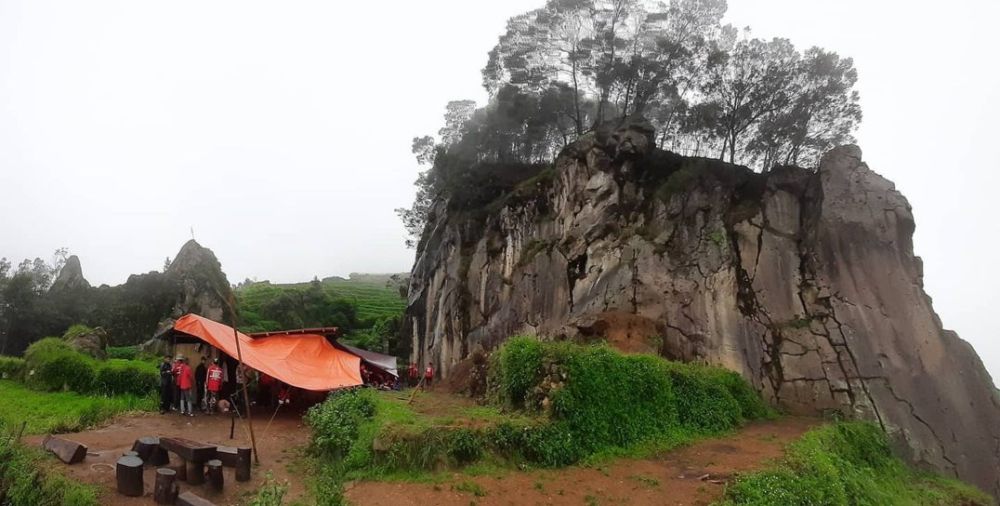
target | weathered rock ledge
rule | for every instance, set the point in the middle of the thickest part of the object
(803, 281)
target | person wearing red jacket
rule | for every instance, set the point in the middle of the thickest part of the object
(213, 383)
(185, 382)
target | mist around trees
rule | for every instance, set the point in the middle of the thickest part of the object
(574, 66)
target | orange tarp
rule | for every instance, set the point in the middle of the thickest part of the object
(306, 361)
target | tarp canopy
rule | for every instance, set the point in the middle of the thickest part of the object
(307, 361)
(385, 362)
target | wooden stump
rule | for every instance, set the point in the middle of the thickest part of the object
(165, 490)
(243, 464)
(214, 474)
(68, 451)
(131, 453)
(128, 474)
(195, 472)
(144, 446)
(189, 499)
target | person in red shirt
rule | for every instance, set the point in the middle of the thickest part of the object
(429, 376)
(414, 374)
(185, 382)
(213, 384)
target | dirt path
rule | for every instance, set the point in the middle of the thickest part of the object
(694, 475)
(278, 446)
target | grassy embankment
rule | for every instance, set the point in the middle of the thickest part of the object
(847, 463)
(553, 405)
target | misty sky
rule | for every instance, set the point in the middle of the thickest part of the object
(280, 131)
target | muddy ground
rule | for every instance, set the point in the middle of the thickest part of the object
(278, 447)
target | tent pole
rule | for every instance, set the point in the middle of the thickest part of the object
(246, 393)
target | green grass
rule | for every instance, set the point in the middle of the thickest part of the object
(27, 476)
(62, 411)
(847, 463)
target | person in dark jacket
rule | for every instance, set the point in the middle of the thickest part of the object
(200, 373)
(166, 384)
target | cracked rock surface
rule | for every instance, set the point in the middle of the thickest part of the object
(805, 282)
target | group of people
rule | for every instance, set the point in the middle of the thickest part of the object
(182, 389)
(414, 375)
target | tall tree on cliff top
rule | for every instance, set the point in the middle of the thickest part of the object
(747, 83)
(822, 112)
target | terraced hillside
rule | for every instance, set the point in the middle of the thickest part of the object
(366, 306)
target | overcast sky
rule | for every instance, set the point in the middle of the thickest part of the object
(280, 131)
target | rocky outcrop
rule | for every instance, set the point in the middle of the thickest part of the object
(803, 281)
(70, 278)
(91, 341)
(204, 287)
(200, 287)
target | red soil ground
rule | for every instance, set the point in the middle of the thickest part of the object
(694, 475)
(278, 446)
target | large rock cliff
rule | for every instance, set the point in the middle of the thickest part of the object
(803, 281)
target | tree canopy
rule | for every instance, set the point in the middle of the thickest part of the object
(708, 89)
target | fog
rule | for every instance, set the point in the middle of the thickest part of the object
(278, 134)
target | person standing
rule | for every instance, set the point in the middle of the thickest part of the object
(185, 382)
(166, 384)
(413, 374)
(213, 384)
(199, 381)
(429, 376)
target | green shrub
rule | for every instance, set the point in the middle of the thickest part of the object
(123, 352)
(11, 368)
(271, 493)
(465, 446)
(335, 422)
(63, 370)
(518, 369)
(44, 350)
(118, 377)
(847, 463)
(601, 399)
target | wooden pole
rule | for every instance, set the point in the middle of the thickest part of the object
(246, 393)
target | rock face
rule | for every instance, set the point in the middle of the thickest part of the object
(70, 277)
(199, 286)
(803, 281)
(204, 287)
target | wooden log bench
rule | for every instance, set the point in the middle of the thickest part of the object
(190, 499)
(150, 451)
(128, 476)
(68, 451)
(193, 453)
(236, 457)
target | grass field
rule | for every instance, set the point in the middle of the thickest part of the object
(61, 411)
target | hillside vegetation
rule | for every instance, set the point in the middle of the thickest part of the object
(367, 308)
(603, 403)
